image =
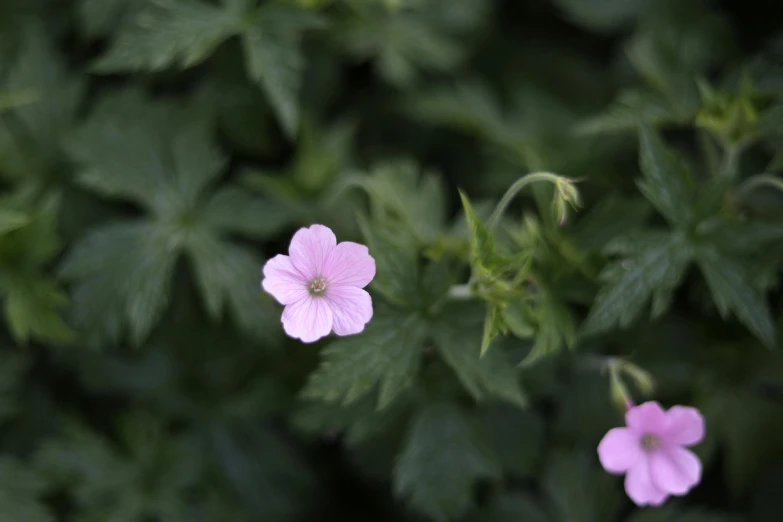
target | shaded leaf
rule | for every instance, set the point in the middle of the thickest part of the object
(733, 291)
(666, 182)
(654, 267)
(578, 490)
(457, 337)
(427, 474)
(22, 492)
(168, 33)
(387, 354)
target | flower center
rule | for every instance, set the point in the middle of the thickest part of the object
(317, 286)
(650, 442)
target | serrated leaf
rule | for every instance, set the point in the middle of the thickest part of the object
(146, 476)
(610, 218)
(427, 474)
(404, 43)
(655, 266)
(32, 133)
(123, 273)
(32, 309)
(274, 59)
(157, 155)
(168, 33)
(401, 191)
(457, 334)
(733, 291)
(387, 355)
(743, 237)
(629, 110)
(666, 182)
(22, 492)
(223, 271)
(494, 325)
(396, 261)
(481, 241)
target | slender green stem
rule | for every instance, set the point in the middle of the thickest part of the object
(513, 190)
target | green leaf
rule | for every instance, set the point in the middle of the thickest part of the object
(168, 33)
(577, 490)
(404, 42)
(427, 474)
(11, 220)
(743, 237)
(610, 218)
(234, 211)
(629, 110)
(482, 243)
(32, 307)
(31, 134)
(123, 272)
(223, 271)
(9, 100)
(457, 334)
(400, 191)
(601, 15)
(22, 492)
(494, 325)
(163, 158)
(387, 355)
(274, 59)
(733, 291)
(655, 266)
(157, 155)
(99, 18)
(396, 261)
(145, 477)
(666, 182)
(555, 327)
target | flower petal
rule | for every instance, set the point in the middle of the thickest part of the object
(619, 450)
(349, 264)
(640, 487)
(648, 417)
(309, 248)
(351, 309)
(283, 280)
(308, 319)
(685, 426)
(674, 469)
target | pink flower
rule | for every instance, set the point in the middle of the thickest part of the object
(651, 452)
(320, 283)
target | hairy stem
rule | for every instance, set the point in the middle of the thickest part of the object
(513, 190)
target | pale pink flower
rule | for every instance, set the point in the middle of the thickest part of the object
(320, 283)
(651, 452)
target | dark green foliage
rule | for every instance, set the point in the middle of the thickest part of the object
(154, 153)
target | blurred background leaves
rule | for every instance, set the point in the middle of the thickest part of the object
(154, 153)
